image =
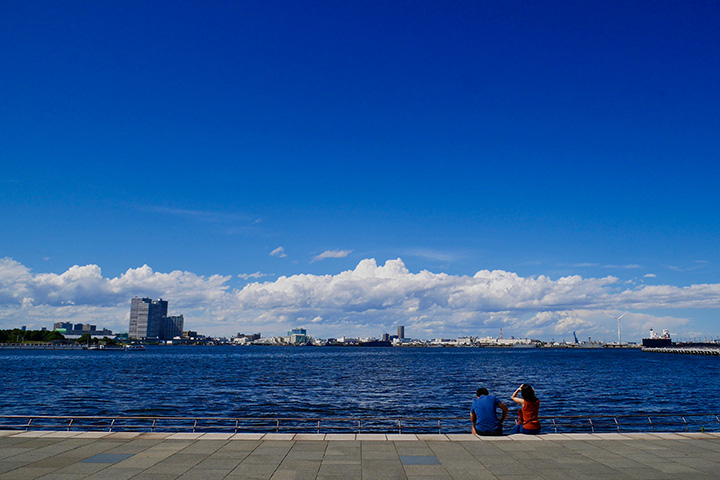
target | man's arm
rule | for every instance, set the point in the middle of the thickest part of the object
(473, 419)
(504, 410)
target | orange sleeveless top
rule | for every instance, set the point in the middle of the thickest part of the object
(530, 415)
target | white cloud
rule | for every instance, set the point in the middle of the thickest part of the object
(278, 252)
(649, 275)
(331, 254)
(366, 300)
(250, 276)
(207, 216)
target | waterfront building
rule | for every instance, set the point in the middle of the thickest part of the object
(245, 339)
(250, 336)
(76, 330)
(149, 320)
(171, 327)
(401, 332)
(297, 336)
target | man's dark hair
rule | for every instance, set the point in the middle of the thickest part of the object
(482, 391)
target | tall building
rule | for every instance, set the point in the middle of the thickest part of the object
(148, 319)
(401, 332)
(171, 327)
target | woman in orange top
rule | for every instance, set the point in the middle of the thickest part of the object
(529, 422)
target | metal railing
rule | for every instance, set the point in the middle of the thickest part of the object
(656, 422)
(653, 422)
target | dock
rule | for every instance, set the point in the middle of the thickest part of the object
(164, 456)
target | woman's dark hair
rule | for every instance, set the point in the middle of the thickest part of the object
(528, 393)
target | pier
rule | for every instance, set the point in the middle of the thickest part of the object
(207, 456)
(685, 350)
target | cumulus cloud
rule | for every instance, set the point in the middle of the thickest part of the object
(278, 252)
(331, 254)
(366, 300)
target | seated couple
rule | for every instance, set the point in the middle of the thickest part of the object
(483, 413)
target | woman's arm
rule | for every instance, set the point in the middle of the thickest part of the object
(515, 398)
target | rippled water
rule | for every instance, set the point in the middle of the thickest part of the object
(341, 382)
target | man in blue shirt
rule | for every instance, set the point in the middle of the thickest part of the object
(483, 414)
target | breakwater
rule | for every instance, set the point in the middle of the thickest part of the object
(685, 350)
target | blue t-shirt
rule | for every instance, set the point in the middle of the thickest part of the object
(484, 408)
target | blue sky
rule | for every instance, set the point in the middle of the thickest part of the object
(557, 140)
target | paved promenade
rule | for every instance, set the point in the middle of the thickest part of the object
(115, 456)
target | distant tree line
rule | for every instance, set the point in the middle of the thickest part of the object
(17, 336)
(42, 336)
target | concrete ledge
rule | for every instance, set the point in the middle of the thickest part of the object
(279, 436)
(526, 438)
(32, 434)
(371, 436)
(310, 436)
(185, 436)
(64, 434)
(340, 436)
(247, 436)
(432, 437)
(401, 437)
(216, 436)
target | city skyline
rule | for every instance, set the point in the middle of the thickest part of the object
(346, 168)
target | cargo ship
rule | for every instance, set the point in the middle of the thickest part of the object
(657, 341)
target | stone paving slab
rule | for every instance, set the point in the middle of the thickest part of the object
(134, 455)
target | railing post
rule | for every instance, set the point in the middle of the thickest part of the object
(399, 426)
(70, 424)
(616, 423)
(592, 427)
(652, 427)
(27, 427)
(152, 427)
(318, 426)
(237, 422)
(687, 428)
(439, 428)
(111, 425)
(194, 425)
(277, 425)
(359, 428)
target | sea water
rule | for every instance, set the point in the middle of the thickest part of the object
(350, 382)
